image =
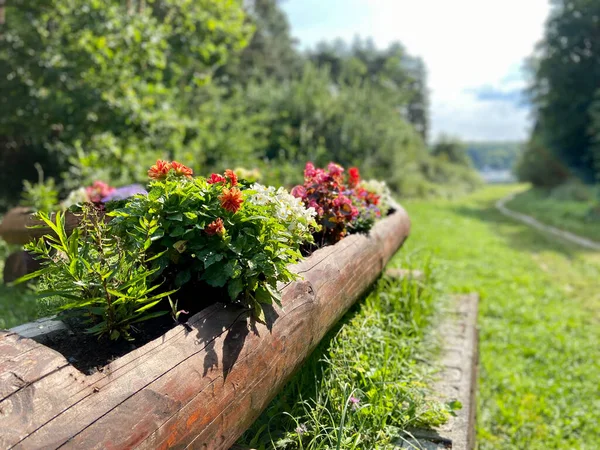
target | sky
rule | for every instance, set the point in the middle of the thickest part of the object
(473, 49)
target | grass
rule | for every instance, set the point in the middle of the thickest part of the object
(570, 214)
(366, 382)
(17, 304)
(539, 320)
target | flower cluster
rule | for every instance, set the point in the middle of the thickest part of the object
(341, 205)
(366, 201)
(381, 189)
(217, 231)
(162, 169)
(285, 207)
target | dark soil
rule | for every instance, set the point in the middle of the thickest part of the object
(89, 353)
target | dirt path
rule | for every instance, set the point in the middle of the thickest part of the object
(587, 243)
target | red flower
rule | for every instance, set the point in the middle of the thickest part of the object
(353, 177)
(159, 170)
(231, 199)
(181, 170)
(215, 227)
(214, 178)
(231, 176)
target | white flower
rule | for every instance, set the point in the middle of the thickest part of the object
(285, 207)
(76, 196)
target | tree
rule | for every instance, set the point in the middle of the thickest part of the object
(451, 150)
(566, 69)
(402, 76)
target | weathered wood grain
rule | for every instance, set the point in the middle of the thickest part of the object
(200, 388)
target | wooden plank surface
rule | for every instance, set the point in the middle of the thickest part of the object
(200, 388)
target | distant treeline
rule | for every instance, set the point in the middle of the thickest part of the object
(565, 95)
(494, 155)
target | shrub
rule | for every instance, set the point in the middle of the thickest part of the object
(101, 277)
(216, 231)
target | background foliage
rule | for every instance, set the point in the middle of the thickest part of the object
(565, 94)
(100, 90)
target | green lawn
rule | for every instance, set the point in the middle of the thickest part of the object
(380, 354)
(539, 320)
(571, 215)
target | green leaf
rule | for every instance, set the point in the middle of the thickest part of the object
(182, 278)
(235, 287)
(177, 231)
(176, 217)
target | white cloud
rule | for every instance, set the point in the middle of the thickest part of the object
(466, 44)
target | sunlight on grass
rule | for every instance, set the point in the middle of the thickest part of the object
(366, 382)
(571, 215)
(539, 320)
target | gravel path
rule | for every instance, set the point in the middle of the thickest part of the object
(587, 243)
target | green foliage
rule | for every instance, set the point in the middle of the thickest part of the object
(17, 303)
(494, 155)
(539, 166)
(271, 52)
(566, 69)
(95, 275)
(572, 206)
(451, 150)
(393, 71)
(42, 196)
(98, 82)
(100, 90)
(364, 385)
(213, 232)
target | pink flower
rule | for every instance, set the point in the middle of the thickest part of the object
(299, 192)
(335, 170)
(98, 190)
(309, 171)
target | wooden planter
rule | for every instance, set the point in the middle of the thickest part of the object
(16, 223)
(201, 386)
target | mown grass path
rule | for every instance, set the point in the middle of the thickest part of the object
(539, 384)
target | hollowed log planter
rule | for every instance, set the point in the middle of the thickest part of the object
(15, 226)
(196, 387)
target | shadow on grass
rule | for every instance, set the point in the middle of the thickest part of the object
(519, 235)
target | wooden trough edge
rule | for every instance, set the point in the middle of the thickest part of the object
(196, 387)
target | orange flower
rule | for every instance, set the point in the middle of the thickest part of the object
(231, 199)
(215, 227)
(159, 170)
(231, 176)
(181, 170)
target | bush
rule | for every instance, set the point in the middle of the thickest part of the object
(538, 166)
